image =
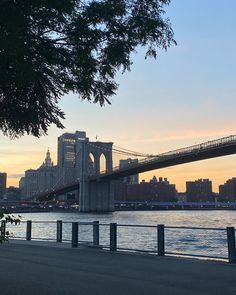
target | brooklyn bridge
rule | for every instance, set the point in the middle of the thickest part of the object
(95, 188)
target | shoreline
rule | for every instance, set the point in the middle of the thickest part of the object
(117, 210)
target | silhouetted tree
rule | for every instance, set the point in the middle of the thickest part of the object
(51, 47)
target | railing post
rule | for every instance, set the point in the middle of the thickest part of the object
(59, 231)
(95, 233)
(113, 236)
(3, 229)
(161, 240)
(231, 244)
(28, 230)
(75, 235)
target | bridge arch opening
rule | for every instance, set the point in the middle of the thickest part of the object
(91, 164)
(102, 162)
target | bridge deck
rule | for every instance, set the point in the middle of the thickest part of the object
(208, 150)
(34, 269)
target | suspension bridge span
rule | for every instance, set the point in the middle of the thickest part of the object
(95, 187)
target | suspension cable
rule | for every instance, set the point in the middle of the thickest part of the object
(122, 151)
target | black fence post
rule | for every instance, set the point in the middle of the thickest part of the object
(75, 234)
(113, 236)
(95, 233)
(28, 230)
(59, 231)
(161, 240)
(3, 229)
(231, 244)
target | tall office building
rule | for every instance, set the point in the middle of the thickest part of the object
(132, 179)
(68, 147)
(3, 184)
(199, 191)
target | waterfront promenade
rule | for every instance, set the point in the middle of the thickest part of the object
(30, 267)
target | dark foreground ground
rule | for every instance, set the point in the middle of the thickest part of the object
(41, 269)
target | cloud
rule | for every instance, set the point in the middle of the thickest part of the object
(183, 136)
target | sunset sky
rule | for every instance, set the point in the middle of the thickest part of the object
(186, 96)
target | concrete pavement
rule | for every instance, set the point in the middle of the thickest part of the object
(41, 269)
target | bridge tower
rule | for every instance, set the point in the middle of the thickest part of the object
(96, 195)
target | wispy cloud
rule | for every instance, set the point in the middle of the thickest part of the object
(185, 135)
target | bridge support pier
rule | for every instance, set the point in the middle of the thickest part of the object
(96, 196)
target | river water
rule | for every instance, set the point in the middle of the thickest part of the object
(177, 240)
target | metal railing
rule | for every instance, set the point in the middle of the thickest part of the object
(210, 243)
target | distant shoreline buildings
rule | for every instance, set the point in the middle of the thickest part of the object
(227, 191)
(154, 190)
(199, 191)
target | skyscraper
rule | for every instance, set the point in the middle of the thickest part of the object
(67, 149)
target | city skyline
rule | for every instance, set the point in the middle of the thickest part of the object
(186, 96)
(48, 161)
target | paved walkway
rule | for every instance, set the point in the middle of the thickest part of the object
(41, 269)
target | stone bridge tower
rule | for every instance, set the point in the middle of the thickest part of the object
(94, 196)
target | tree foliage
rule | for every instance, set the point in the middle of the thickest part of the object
(51, 47)
(7, 217)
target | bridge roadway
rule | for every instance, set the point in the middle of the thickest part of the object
(211, 149)
(37, 268)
